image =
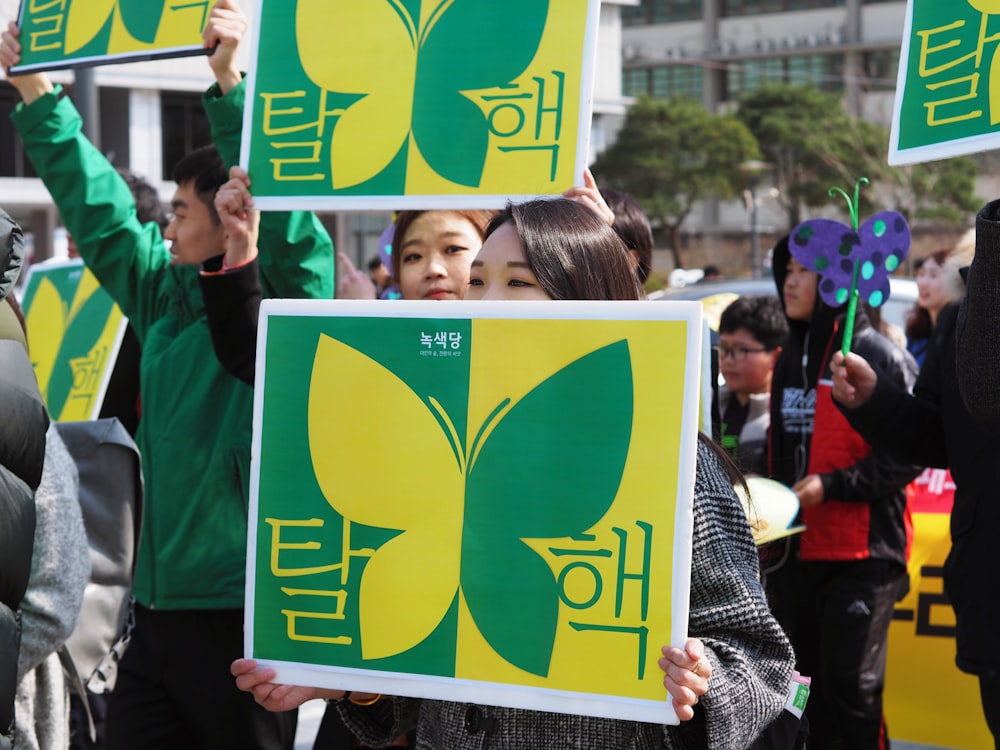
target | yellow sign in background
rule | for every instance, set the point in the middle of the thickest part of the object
(59, 34)
(74, 332)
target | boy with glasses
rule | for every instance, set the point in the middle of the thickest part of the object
(751, 331)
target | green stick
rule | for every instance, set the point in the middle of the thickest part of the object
(852, 309)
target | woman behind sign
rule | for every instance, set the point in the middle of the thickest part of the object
(731, 678)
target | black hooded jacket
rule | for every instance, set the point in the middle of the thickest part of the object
(23, 422)
(934, 427)
(863, 512)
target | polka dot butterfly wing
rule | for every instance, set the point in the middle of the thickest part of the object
(833, 250)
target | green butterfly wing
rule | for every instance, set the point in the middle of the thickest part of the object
(466, 45)
(142, 18)
(550, 469)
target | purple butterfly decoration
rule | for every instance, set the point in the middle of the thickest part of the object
(834, 250)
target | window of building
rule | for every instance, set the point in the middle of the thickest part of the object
(879, 69)
(115, 125)
(661, 11)
(185, 127)
(755, 7)
(13, 162)
(660, 82)
(663, 81)
(823, 71)
(633, 15)
(635, 81)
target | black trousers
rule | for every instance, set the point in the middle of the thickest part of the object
(989, 691)
(174, 688)
(839, 626)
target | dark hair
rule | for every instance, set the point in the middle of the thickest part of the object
(205, 168)
(733, 471)
(374, 263)
(478, 219)
(571, 251)
(918, 320)
(762, 316)
(632, 225)
(148, 206)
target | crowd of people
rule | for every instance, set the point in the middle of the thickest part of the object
(845, 433)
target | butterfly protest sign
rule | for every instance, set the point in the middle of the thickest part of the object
(488, 503)
(852, 262)
(948, 86)
(58, 34)
(74, 332)
(417, 103)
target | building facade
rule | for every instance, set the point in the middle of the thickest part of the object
(718, 50)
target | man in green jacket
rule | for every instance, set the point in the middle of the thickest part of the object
(174, 689)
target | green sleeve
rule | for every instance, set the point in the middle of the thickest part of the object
(129, 259)
(296, 252)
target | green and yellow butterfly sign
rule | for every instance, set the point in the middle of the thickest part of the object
(948, 87)
(418, 103)
(475, 501)
(59, 34)
(74, 332)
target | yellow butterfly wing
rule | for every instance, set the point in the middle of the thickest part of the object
(368, 48)
(46, 321)
(389, 466)
(84, 289)
(85, 20)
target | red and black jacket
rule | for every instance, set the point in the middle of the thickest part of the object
(864, 513)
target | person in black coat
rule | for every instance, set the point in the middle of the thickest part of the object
(979, 320)
(23, 422)
(933, 427)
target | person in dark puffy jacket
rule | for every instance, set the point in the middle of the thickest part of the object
(23, 422)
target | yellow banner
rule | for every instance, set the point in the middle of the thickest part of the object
(74, 332)
(922, 638)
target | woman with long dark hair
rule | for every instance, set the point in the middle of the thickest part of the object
(731, 677)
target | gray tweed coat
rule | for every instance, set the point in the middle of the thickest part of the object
(751, 660)
(60, 569)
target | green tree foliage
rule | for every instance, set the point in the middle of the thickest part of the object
(672, 153)
(813, 145)
(942, 190)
